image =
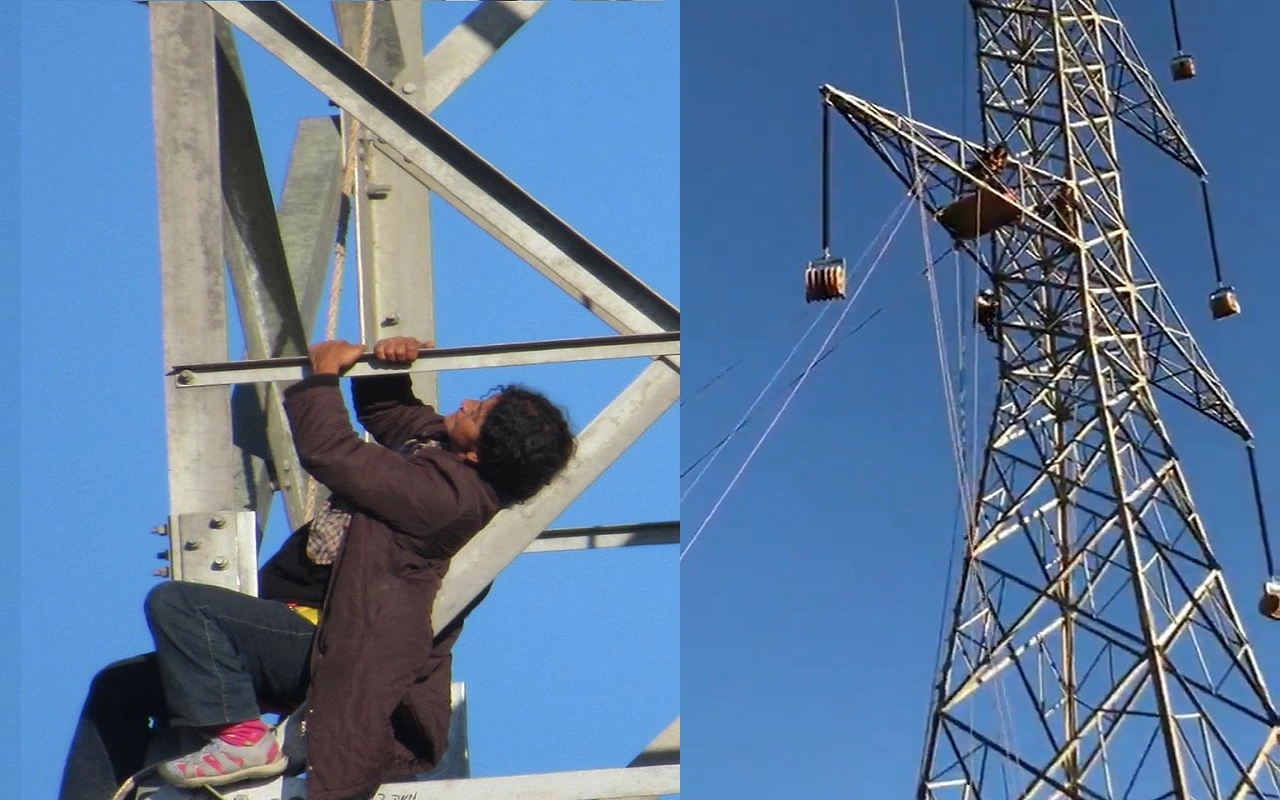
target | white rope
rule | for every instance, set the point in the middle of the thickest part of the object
(958, 450)
(737, 427)
(803, 376)
(900, 211)
(351, 154)
(939, 336)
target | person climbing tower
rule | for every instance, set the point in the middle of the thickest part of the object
(343, 620)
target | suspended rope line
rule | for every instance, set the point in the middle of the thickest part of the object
(773, 423)
(949, 394)
(959, 274)
(734, 365)
(961, 522)
(1213, 238)
(900, 211)
(1262, 512)
(961, 374)
(719, 447)
(975, 469)
(839, 341)
(351, 156)
(747, 420)
(884, 226)
(826, 180)
(948, 390)
(1177, 33)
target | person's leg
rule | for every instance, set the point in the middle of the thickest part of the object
(110, 739)
(219, 653)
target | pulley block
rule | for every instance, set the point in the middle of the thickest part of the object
(1183, 67)
(1224, 303)
(825, 279)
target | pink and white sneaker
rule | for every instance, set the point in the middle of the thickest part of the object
(221, 762)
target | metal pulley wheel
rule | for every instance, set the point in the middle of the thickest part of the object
(825, 279)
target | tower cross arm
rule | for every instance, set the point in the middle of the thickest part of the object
(1136, 100)
(939, 167)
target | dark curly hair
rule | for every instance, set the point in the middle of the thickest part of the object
(524, 442)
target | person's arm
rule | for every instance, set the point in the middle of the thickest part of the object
(415, 497)
(385, 404)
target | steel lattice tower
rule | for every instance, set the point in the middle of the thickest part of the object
(1094, 649)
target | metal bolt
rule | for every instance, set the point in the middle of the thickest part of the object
(163, 572)
(191, 544)
(241, 796)
(163, 555)
(390, 319)
(219, 564)
(161, 530)
(377, 191)
(218, 521)
(409, 88)
(186, 377)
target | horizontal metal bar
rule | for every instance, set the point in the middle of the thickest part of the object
(600, 537)
(596, 784)
(591, 348)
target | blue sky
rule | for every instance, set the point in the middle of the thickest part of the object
(573, 661)
(10, 595)
(811, 601)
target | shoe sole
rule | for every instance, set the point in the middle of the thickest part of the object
(272, 770)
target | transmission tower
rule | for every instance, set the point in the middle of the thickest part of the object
(372, 166)
(1094, 650)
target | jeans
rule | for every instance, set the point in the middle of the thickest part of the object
(220, 657)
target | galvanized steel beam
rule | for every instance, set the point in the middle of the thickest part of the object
(469, 45)
(486, 356)
(615, 429)
(193, 295)
(308, 214)
(663, 750)
(268, 309)
(602, 537)
(478, 190)
(597, 784)
(392, 211)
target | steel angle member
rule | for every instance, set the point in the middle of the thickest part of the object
(615, 429)
(462, 178)
(598, 784)
(555, 351)
(215, 549)
(601, 537)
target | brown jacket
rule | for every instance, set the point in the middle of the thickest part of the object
(378, 701)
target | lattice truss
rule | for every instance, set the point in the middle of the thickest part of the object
(373, 165)
(1095, 650)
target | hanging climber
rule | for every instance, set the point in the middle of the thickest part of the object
(991, 164)
(986, 310)
(343, 621)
